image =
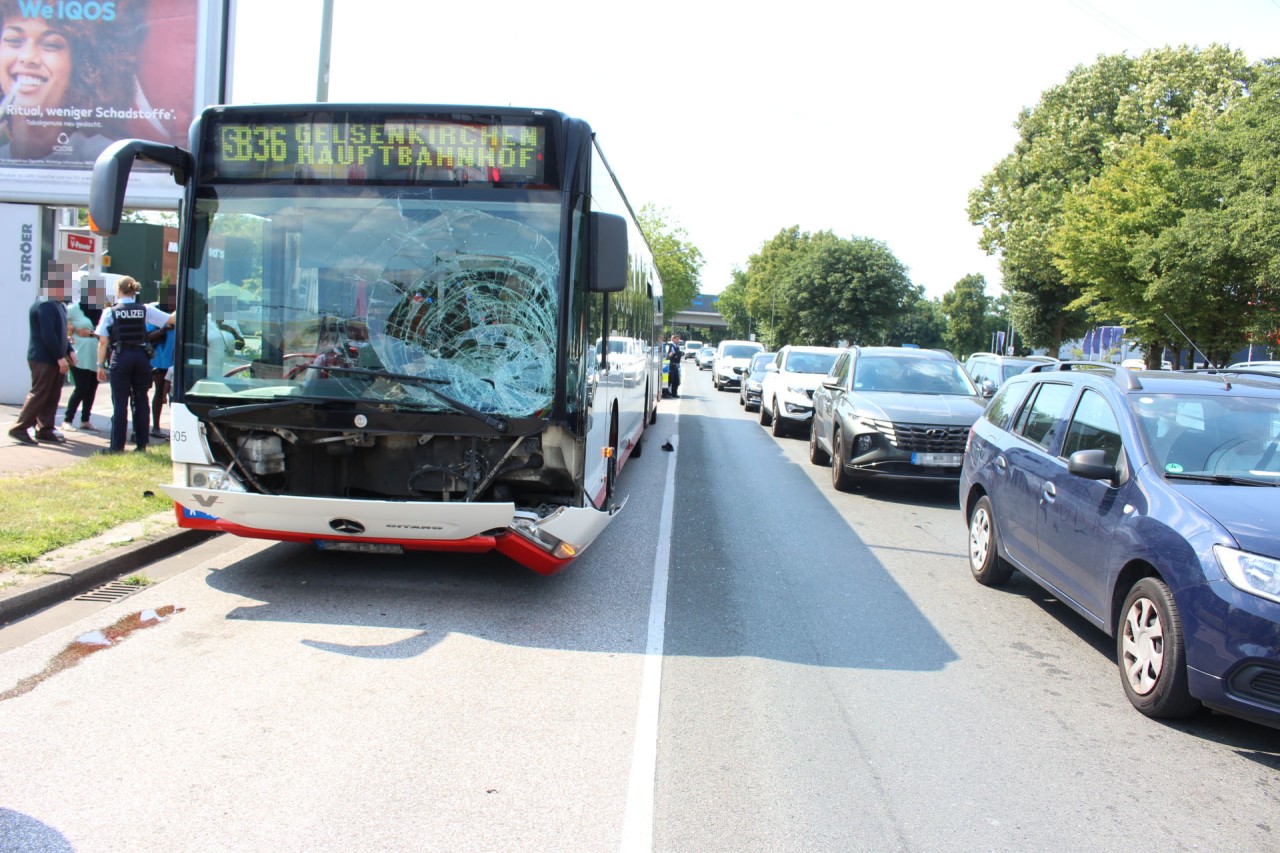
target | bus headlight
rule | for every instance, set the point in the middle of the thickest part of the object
(209, 477)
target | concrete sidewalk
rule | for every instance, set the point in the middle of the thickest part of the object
(76, 568)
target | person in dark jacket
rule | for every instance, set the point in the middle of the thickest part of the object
(674, 354)
(49, 356)
(123, 331)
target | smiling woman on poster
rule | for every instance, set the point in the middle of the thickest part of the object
(68, 78)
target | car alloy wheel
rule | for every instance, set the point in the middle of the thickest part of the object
(817, 455)
(840, 479)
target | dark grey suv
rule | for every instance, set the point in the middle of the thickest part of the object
(893, 412)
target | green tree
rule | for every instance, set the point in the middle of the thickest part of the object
(846, 289)
(767, 286)
(733, 306)
(679, 262)
(1184, 229)
(1075, 131)
(968, 309)
(924, 324)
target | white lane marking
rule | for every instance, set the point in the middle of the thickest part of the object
(637, 824)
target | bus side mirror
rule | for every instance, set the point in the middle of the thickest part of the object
(608, 253)
(111, 177)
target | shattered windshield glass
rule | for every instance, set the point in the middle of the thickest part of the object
(375, 296)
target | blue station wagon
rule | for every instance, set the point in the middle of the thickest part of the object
(1147, 502)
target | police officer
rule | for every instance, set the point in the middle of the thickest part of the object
(674, 354)
(123, 330)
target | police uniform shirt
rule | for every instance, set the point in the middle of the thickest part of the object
(154, 316)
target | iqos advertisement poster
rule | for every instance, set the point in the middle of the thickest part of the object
(76, 75)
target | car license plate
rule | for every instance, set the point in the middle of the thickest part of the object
(944, 460)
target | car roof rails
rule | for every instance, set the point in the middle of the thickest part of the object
(1223, 372)
(1252, 372)
(1123, 376)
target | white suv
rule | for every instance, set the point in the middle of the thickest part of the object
(731, 361)
(786, 395)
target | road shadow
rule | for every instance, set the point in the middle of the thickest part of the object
(779, 595)
(19, 831)
(766, 567)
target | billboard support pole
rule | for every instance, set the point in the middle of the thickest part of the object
(326, 41)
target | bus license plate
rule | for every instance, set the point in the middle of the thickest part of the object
(944, 460)
(359, 547)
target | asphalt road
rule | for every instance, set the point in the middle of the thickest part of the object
(830, 679)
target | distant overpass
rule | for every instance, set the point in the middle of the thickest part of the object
(702, 314)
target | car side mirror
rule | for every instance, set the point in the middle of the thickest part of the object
(771, 368)
(987, 388)
(1092, 465)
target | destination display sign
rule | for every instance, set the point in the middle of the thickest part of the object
(374, 148)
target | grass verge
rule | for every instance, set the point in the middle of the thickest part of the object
(48, 509)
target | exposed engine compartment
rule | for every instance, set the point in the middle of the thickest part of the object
(394, 466)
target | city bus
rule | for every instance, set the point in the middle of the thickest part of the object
(394, 327)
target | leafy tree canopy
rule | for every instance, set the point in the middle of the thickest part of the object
(679, 262)
(967, 307)
(1080, 127)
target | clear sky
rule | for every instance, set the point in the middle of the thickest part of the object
(866, 119)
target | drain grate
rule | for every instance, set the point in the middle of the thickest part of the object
(109, 592)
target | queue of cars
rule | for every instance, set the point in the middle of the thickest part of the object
(1146, 501)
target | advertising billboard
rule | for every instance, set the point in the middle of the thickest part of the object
(76, 75)
(20, 247)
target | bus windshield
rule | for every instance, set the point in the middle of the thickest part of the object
(396, 288)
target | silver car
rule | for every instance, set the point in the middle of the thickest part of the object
(893, 412)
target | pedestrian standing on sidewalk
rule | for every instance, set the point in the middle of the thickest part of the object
(123, 332)
(49, 356)
(83, 317)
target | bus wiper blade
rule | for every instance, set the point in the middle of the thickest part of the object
(496, 423)
(249, 408)
(1220, 479)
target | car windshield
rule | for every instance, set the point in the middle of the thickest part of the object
(759, 362)
(740, 351)
(1231, 436)
(811, 362)
(911, 375)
